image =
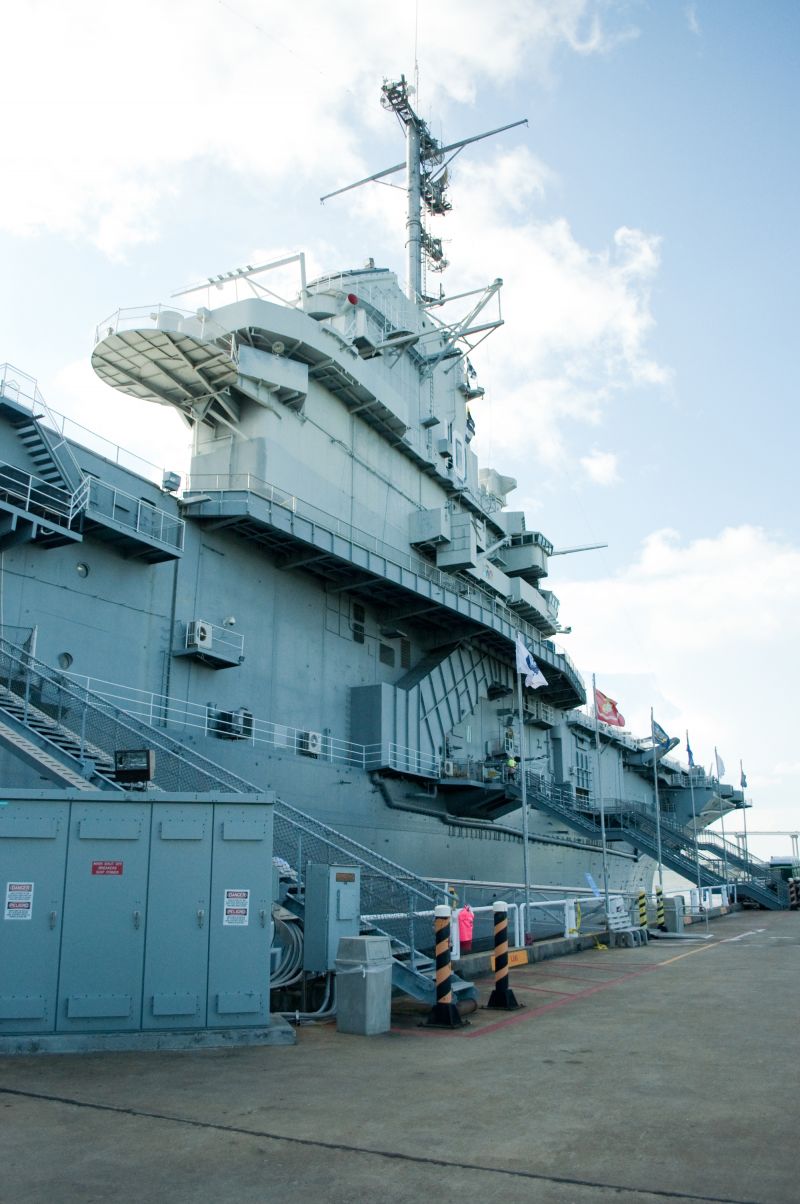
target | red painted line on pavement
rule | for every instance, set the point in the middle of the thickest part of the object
(576, 977)
(529, 1013)
(546, 990)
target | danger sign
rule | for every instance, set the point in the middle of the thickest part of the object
(237, 908)
(19, 901)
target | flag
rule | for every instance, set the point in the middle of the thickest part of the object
(689, 752)
(720, 765)
(606, 710)
(660, 737)
(534, 678)
(743, 782)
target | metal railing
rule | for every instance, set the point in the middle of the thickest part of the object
(214, 639)
(36, 496)
(220, 483)
(386, 887)
(161, 710)
(20, 387)
(139, 515)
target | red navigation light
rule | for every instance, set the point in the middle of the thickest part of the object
(352, 298)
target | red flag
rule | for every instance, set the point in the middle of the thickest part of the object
(606, 710)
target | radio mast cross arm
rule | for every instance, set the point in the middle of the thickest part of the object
(388, 171)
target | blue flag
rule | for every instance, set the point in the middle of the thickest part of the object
(660, 737)
(689, 752)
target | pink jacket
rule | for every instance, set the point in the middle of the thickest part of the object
(466, 920)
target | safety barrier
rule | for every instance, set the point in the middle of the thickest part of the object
(444, 1013)
(502, 997)
(642, 906)
(660, 920)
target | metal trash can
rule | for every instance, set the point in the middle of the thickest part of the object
(673, 913)
(364, 985)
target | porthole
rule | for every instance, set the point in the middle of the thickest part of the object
(82, 569)
(65, 659)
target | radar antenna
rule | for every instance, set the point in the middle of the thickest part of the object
(427, 178)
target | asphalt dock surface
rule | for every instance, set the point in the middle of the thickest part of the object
(667, 1072)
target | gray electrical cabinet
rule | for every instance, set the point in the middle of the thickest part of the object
(134, 914)
(33, 855)
(332, 911)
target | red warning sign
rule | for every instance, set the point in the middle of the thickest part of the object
(107, 868)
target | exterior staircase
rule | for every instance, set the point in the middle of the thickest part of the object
(636, 825)
(70, 733)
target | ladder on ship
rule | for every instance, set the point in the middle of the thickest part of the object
(69, 733)
(636, 825)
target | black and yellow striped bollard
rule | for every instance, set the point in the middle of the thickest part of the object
(502, 996)
(642, 909)
(660, 920)
(444, 1013)
(794, 894)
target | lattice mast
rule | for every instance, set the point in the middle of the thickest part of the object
(426, 181)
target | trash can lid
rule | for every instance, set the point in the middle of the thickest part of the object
(358, 950)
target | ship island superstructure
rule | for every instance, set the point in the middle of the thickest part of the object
(329, 605)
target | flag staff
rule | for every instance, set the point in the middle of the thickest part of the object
(720, 767)
(526, 867)
(694, 826)
(534, 679)
(658, 807)
(599, 792)
(743, 784)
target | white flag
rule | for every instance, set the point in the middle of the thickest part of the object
(534, 678)
(720, 765)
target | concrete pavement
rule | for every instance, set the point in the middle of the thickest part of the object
(657, 1073)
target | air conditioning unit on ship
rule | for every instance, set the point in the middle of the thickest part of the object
(199, 634)
(311, 743)
(448, 769)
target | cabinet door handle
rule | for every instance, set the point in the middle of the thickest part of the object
(137, 919)
(201, 917)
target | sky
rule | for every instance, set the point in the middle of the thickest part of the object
(643, 387)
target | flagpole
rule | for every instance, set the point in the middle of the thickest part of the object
(658, 808)
(599, 792)
(722, 819)
(694, 829)
(526, 869)
(742, 781)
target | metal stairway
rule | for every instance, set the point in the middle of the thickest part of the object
(79, 731)
(44, 505)
(636, 825)
(94, 768)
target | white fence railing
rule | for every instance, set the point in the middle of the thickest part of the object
(240, 724)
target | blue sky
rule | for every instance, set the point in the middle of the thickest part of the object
(643, 389)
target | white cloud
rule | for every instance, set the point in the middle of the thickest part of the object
(105, 113)
(601, 467)
(703, 631)
(692, 20)
(107, 138)
(121, 427)
(577, 320)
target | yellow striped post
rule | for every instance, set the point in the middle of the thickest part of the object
(660, 920)
(444, 1013)
(794, 894)
(502, 996)
(642, 909)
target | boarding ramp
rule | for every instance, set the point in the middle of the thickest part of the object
(73, 734)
